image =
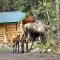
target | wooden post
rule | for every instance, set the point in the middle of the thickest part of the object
(5, 40)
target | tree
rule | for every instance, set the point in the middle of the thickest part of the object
(4, 5)
(57, 16)
(44, 9)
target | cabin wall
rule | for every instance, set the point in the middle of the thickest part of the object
(7, 32)
(2, 33)
(10, 31)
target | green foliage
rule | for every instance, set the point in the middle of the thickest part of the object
(4, 5)
(51, 44)
(50, 41)
(40, 7)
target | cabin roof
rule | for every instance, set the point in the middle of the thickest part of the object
(11, 17)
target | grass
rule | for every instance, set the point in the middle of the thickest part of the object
(4, 49)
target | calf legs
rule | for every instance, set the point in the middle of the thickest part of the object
(16, 48)
(27, 46)
(13, 48)
(22, 47)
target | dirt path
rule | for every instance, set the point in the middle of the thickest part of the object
(8, 55)
(27, 56)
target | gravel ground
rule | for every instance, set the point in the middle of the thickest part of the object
(8, 55)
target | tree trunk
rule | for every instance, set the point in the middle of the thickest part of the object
(48, 17)
(47, 12)
(57, 17)
(57, 9)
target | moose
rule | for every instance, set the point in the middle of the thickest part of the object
(31, 32)
(34, 30)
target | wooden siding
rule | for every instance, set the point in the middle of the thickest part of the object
(7, 32)
(10, 27)
(10, 31)
(2, 33)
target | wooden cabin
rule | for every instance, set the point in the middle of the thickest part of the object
(11, 24)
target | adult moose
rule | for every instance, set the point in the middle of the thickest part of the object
(34, 30)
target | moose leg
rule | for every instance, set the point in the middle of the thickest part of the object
(22, 46)
(18, 47)
(28, 37)
(13, 48)
(43, 38)
(27, 46)
(22, 43)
